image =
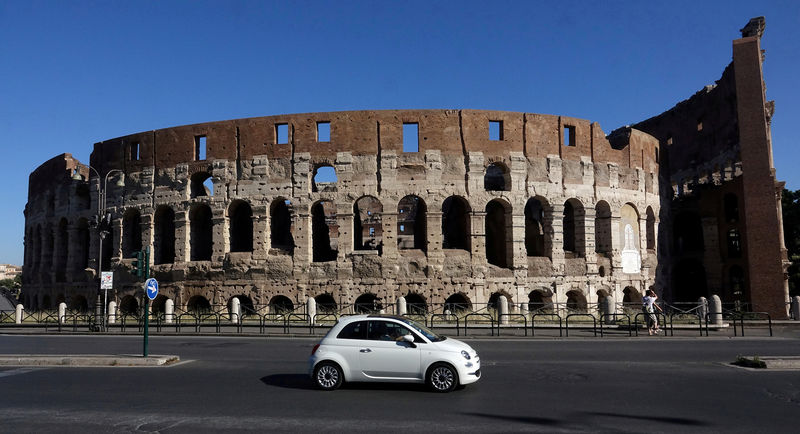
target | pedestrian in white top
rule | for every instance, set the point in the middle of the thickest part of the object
(648, 306)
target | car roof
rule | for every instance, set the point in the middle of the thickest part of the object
(351, 318)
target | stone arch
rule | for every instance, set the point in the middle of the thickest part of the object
(129, 305)
(198, 304)
(78, 303)
(246, 305)
(576, 301)
(280, 305)
(495, 296)
(602, 228)
(324, 231)
(412, 223)
(631, 297)
(456, 232)
(326, 303)
(540, 301)
(497, 177)
(240, 216)
(164, 235)
(201, 230)
(367, 224)
(324, 178)
(158, 305)
(131, 232)
(280, 225)
(201, 184)
(458, 303)
(499, 233)
(367, 303)
(651, 229)
(629, 239)
(573, 227)
(603, 295)
(534, 227)
(416, 304)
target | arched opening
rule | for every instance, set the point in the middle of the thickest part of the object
(651, 229)
(159, 304)
(456, 223)
(78, 304)
(689, 281)
(280, 225)
(82, 245)
(129, 306)
(245, 305)
(164, 236)
(131, 232)
(631, 299)
(573, 227)
(83, 199)
(602, 299)
(731, 205)
(458, 304)
(602, 228)
(201, 185)
(280, 305)
(367, 303)
(326, 303)
(540, 302)
(576, 301)
(324, 179)
(534, 228)
(687, 233)
(736, 283)
(324, 231)
(412, 224)
(497, 178)
(367, 226)
(498, 233)
(494, 299)
(734, 243)
(416, 304)
(240, 216)
(47, 250)
(61, 251)
(198, 305)
(629, 234)
(200, 233)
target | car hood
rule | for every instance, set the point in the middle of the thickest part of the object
(453, 345)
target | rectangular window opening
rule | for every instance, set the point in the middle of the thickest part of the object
(495, 130)
(199, 148)
(569, 135)
(410, 137)
(135, 151)
(281, 134)
(323, 131)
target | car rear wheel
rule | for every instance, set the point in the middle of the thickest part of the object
(442, 378)
(328, 376)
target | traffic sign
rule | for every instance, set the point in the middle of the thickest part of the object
(151, 288)
(107, 280)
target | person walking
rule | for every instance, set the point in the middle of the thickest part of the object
(649, 306)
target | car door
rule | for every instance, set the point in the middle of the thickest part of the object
(348, 342)
(382, 356)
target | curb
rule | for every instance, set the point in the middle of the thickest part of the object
(87, 360)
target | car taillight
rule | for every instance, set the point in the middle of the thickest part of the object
(315, 349)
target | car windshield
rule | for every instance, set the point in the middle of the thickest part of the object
(433, 337)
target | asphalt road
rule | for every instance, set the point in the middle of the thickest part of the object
(543, 385)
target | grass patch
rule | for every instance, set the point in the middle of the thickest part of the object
(755, 362)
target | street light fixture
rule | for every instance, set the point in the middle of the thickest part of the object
(103, 223)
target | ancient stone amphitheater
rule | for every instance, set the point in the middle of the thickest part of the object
(446, 208)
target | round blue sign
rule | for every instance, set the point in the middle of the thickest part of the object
(151, 288)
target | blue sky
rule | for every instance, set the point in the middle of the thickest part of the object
(76, 72)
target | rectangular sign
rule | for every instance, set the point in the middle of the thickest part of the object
(107, 280)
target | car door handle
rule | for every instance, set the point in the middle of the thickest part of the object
(365, 350)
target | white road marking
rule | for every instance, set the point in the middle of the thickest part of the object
(18, 371)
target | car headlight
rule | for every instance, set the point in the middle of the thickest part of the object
(465, 354)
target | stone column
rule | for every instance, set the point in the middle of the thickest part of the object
(478, 236)
(344, 218)
(389, 237)
(260, 232)
(555, 221)
(182, 236)
(302, 236)
(235, 311)
(401, 306)
(589, 242)
(115, 238)
(146, 225)
(519, 257)
(169, 311)
(220, 240)
(502, 309)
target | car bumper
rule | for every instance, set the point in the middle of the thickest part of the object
(469, 372)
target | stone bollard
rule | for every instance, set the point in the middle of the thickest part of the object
(796, 307)
(169, 311)
(62, 312)
(235, 310)
(502, 309)
(402, 309)
(609, 308)
(112, 312)
(702, 309)
(20, 310)
(523, 309)
(716, 310)
(311, 308)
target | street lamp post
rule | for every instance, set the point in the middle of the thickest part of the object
(103, 231)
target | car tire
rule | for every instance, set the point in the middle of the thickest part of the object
(328, 376)
(442, 378)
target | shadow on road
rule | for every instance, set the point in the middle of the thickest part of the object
(523, 419)
(289, 381)
(662, 419)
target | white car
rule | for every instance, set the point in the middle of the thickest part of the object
(391, 349)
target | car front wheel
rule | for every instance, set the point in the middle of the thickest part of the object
(328, 376)
(442, 378)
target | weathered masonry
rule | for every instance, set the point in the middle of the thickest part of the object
(438, 206)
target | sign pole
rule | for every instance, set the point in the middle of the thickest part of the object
(150, 292)
(146, 322)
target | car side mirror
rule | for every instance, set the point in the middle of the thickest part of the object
(410, 339)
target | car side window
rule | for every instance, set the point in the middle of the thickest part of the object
(354, 330)
(389, 331)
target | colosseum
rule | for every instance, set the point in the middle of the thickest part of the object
(444, 208)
